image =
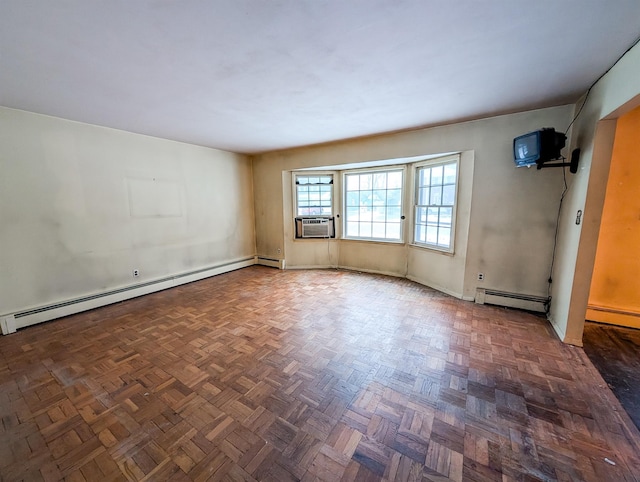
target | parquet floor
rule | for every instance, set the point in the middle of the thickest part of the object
(262, 374)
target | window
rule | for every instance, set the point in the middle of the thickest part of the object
(373, 205)
(435, 202)
(314, 195)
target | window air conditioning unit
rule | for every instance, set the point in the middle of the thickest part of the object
(316, 228)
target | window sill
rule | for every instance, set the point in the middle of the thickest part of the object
(432, 249)
(374, 241)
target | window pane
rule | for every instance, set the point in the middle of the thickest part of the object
(352, 229)
(314, 195)
(379, 197)
(448, 195)
(365, 230)
(436, 175)
(423, 196)
(450, 173)
(394, 197)
(436, 189)
(380, 180)
(436, 195)
(394, 180)
(432, 234)
(353, 214)
(393, 214)
(379, 214)
(365, 181)
(378, 230)
(353, 199)
(432, 215)
(425, 176)
(445, 216)
(444, 236)
(393, 230)
(420, 233)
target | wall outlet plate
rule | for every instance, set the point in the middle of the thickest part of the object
(480, 276)
(136, 273)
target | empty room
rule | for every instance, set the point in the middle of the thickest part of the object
(274, 240)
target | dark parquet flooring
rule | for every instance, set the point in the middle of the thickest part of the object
(615, 352)
(262, 374)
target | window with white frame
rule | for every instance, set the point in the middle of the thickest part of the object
(373, 205)
(435, 204)
(314, 195)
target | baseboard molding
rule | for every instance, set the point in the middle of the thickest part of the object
(562, 334)
(613, 316)
(438, 288)
(21, 319)
(371, 271)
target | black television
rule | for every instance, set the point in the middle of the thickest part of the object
(538, 147)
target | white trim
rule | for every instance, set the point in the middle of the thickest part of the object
(403, 169)
(371, 271)
(440, 161)
(561, 333)
(294, 177)
(438, 288)
(62, 308)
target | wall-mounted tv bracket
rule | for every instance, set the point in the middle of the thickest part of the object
(572, 165)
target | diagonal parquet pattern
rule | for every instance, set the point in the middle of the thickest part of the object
(262, 374)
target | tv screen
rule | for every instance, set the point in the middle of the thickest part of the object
(526, 149)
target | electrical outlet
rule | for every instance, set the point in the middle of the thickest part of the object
(480, 276)
(136, 273)
(279, 251)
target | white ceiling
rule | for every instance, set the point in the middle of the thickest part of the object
(259, 75)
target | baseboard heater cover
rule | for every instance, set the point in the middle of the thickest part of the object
(512, 300)
(9, 323)
(272, 262)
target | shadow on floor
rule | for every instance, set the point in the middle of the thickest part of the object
(615, 352)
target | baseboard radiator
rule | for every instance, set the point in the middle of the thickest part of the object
(11, 322)
(512, 300)
(272, 262)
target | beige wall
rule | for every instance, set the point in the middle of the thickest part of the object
(509, 213)
(615, 94)
(82, 206)
(615, 288)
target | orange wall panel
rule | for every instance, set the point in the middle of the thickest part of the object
(615, 285)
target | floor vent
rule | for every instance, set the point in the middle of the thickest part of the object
(512, 300)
